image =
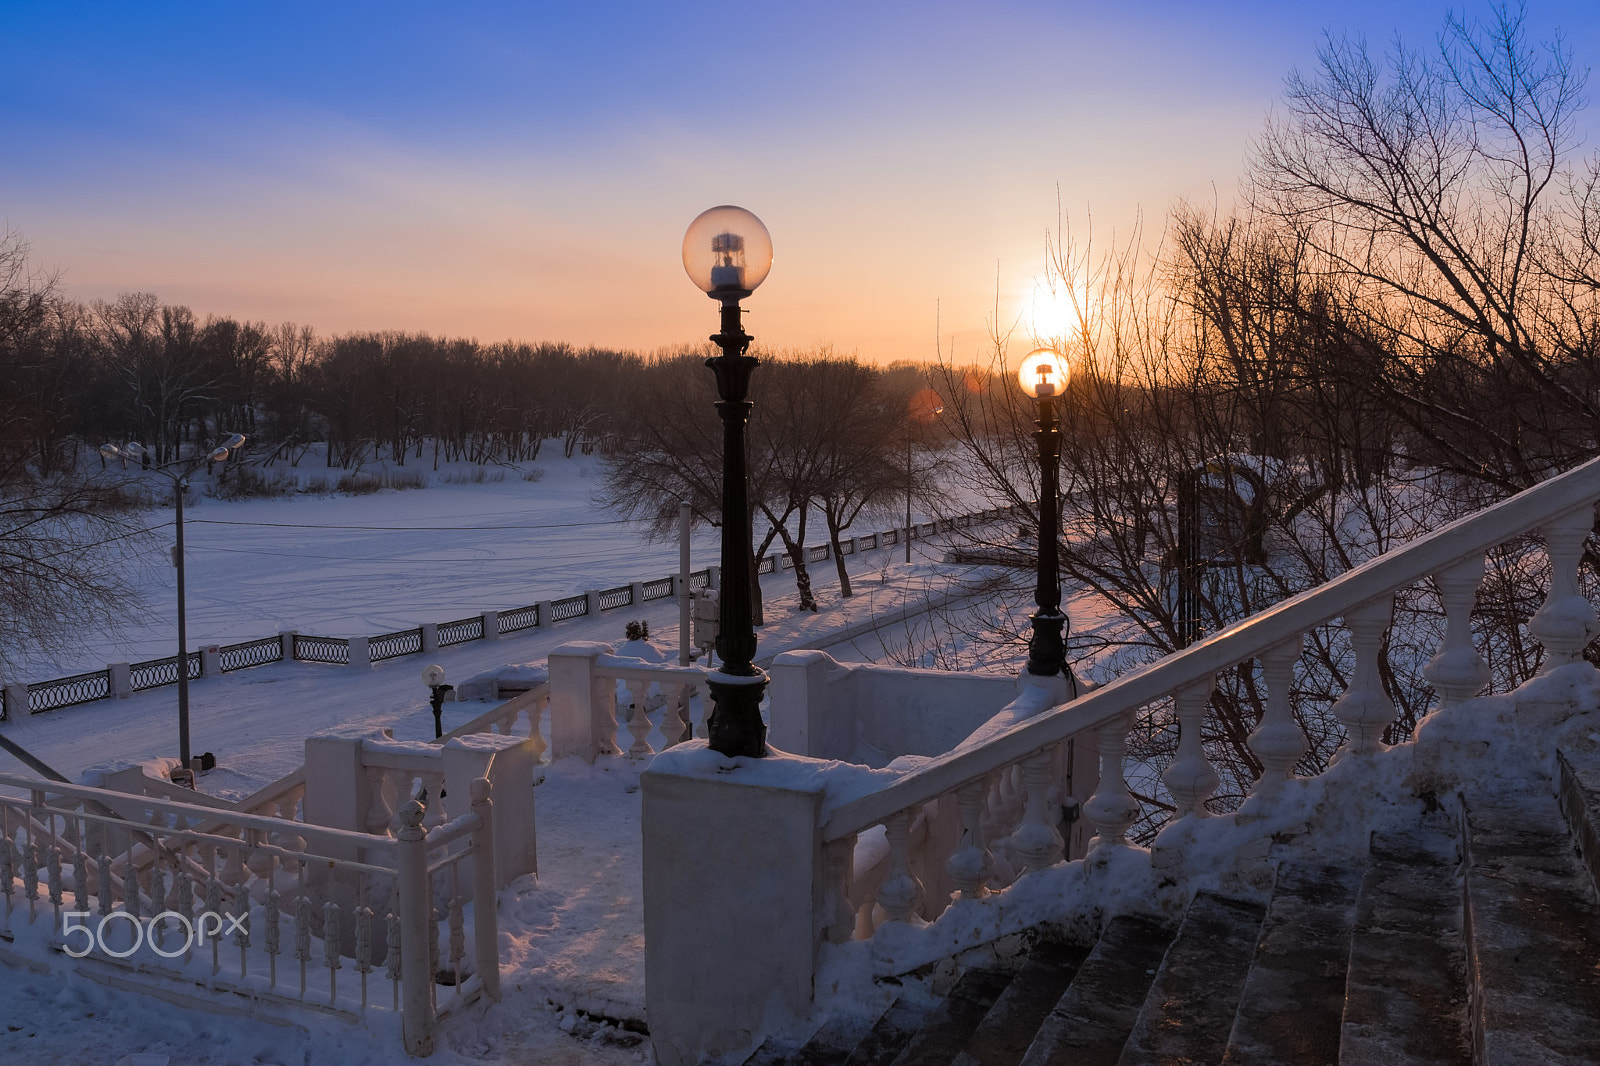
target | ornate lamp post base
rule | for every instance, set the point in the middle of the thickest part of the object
(734, 725)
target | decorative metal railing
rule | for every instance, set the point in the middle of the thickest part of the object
(66, 691)
(251, 653)
(157, 672)
(621, 596)
(321, 649)
(392, 645)
(460, 631)
(571, 607)
(660, 588)
(520, 618)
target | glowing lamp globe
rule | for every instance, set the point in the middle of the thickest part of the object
(1043, 373)
(727, 252)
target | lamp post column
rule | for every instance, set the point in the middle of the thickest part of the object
(1046, 654)
(179, 485)
(735, 726)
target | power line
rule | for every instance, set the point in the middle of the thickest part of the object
(412, 529)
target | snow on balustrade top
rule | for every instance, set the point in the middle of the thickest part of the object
(96, 776)
(490, 742)
(840, 782)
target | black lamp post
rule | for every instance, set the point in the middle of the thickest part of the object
(178, 472)
(727, 252)
(433, 677)
(1043, 375)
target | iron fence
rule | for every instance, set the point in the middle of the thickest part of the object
(391, 645)
(659, 589)
(768, 564)
(157, 672)
(334, 650)
(571, 607)
(460, 631)
(66, 691)
(520, 618)
(250, 653)
(700, 579)
(816, 553)
(621, 596)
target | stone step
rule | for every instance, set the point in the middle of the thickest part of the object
(1533, 936)
(830, 1045)
(888, 1036)
(1003, 1036)
(1579, 792)
(1189, 1009)
(947, 1028)
(1292, 1004)
(1405, 991)
(1090, 1022)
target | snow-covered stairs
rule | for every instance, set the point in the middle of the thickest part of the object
(1470, 938)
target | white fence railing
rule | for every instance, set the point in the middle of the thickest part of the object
(269, 909)
(864, 859)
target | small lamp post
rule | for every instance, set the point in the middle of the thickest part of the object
(727, 253)
(178, 472)
(433, 677)
(1043, 376)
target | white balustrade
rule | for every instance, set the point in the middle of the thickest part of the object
(1277, 742)
(900, 893)
(1037, 840)
(969, 865)
(1112, 809)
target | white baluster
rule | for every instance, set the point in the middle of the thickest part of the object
(30, 875)
(638, 720)
(458, 937)
(1457, 672)
(1112, 808)
(80, 879)
(214, 909)
(1036, 839)
(158, 931)
(1278, 741)
(678, 725)
(837, 859)
(1365, 709)
(363, 949)
(1190, 777)
(1566, 622)
(535, 716)
(391, 926)
(241, 936)
(53, 880)
(969, 865)
(380, 804)
(330, 947)
(302, 936)
(104, 885)
(273, 936)
(233, 866)
(7, 873)
(900, 892)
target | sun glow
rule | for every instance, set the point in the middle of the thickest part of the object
(1056, 309)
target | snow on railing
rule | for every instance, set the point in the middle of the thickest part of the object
(584, 713)
(222, 909)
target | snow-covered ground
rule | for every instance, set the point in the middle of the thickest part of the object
(576, 933)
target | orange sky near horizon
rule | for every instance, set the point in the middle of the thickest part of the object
(514, 172)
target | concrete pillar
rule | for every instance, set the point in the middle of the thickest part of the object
(336, 783)
(430, 636)
(121, 680)
(360, 654)
(507, 761)
(733, 885)
(798, 704)
(546, 614)
(210, 660)
(593, 596)
(16, 699)
(491, 626)
(636, 590)
(287, 636)
(713, 577)
(583, 706)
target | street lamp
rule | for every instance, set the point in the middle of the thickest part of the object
(433, 677)
(727, 253)
(178, 472)
(1043, 376)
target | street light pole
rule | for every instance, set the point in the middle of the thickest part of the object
(1043, 375)
(728, 252)
(180, 485)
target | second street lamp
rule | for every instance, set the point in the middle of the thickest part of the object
(1043, 375)
(178, 472)
(727, 252)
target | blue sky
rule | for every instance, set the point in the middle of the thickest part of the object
(527, 170)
